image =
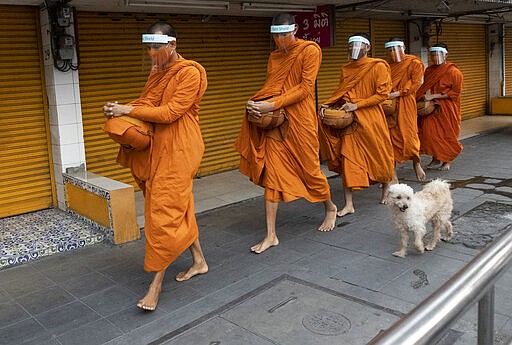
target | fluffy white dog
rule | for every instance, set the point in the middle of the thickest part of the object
(411, 212)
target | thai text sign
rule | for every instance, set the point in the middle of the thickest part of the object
(318, 26)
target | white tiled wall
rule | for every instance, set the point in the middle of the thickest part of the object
(65, 113)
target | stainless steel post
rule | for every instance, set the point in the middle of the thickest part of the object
(486, 318)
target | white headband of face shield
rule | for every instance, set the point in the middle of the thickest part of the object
(438, 49)
(358, 39)
(394, 44)
(281, 29)
(155, 38)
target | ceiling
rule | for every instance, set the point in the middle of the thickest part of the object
(483, 11)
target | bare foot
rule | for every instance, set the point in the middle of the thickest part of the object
(194, 270)
(444, 167)
(433, 163)
(264, 245)
(346, 210)
(420, 173)
(149, 301)
(329, 221)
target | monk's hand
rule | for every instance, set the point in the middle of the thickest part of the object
(119, 109)
(264, 107)
(251, 109)
(108, 110)
(348, 107)
(321, 111)
(394, 94)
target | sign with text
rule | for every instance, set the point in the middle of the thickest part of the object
(318, 26)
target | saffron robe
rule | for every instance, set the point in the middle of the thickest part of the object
(176, 151)
(407, 76)
(287, 166)
(365, 154)
(439, 132)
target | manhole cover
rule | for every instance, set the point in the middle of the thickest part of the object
(326, 322)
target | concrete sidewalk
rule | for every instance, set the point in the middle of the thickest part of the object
(341, 287)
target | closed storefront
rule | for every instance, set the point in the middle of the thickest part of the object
(381, 32)
(233, 50)
(467, 48)
(508, 61)
(25, 163)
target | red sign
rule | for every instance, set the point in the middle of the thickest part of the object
(318, 26)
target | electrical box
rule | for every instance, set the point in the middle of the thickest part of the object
(66, 47)
(64, 16)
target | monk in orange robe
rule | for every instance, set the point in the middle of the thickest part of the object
(361, 154)
(406, 76)
(439, 132)
(284, 160)
(176, 151)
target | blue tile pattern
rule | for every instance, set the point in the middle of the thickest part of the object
(32, 235)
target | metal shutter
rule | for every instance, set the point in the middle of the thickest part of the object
(26, 177)
(381, 32)
(508, 61)
(234, 52)
(467, 48)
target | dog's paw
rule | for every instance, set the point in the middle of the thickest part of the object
(447, 238)
(430, 247)
(400, 254)
(420, 249)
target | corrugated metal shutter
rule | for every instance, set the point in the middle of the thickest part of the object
(508, 61)
(467, 48)
(25, 173)
(233, 50)
(381, 32)
(335, 57)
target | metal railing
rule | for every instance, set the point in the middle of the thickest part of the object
(428, 322)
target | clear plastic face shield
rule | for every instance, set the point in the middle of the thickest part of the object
(438, 55)
(396, 50)
(358, 47)
(283, 35)
(158, 49)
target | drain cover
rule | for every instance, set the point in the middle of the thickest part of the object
(326, 322)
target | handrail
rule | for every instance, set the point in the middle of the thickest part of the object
(432, 318)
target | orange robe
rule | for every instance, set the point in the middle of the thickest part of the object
(365, 155)
(439, 132)
(176, 151)
(287, 166)
(407, 77)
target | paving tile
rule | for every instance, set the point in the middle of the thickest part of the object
(65, 272)
(11, 312)
(87, 284)
(26, 284)
(69, 316)
(132, 318)
(21, 332)
(45, 299)
(111, 300)
(94, 333)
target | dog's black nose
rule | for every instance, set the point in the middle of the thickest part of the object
(403, 208)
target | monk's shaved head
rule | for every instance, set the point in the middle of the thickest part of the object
(283, 19)
(163, 27)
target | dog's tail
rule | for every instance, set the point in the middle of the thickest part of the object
(437, 187)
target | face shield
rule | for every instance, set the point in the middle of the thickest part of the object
(396, 50)
(158, 49)
(358, 46)
(283, 35)
(438, 55)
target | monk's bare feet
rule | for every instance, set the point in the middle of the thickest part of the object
(433, 163)
(346, 210)
(265, 244)
(150, 301)
(420, 173)
(329, 221)
(444, 167)
(195, 269)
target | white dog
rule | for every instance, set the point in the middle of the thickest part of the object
(411, 212)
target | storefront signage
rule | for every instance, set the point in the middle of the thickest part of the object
(318, 26)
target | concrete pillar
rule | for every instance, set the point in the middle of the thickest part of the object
(417, 41)
(65, 113)
(495, 54)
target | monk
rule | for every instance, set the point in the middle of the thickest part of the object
(362, 154)
(406, 76)
(439, 131)
(170, 101)
(284, 160)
